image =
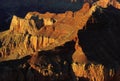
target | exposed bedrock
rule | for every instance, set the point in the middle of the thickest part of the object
(72, 46)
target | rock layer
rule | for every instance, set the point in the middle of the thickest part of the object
(50, 46)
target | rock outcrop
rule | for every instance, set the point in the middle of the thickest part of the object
(59, 47)
(42, 31)
(115, 3)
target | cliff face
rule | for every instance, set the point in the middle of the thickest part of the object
(38, 32)
(77, 46)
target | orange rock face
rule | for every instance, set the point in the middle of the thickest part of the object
(104, 3)
(115, 3)
(46, 47)
(46, 31)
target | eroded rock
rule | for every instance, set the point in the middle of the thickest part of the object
(52, 42)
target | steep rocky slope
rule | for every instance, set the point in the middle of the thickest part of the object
(38, 32)
(71, 46)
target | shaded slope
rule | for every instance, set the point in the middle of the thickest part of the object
(100, 40)
(42, 47)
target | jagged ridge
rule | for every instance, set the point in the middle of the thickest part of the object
(40, 33)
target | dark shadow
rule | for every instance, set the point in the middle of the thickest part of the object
(100, 40)
(15, 63)
(14, 70)
(39, 22)
(83, 79)
(60, 59)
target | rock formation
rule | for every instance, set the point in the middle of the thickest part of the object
(115, 3)
(58, 46)
(47, 36)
